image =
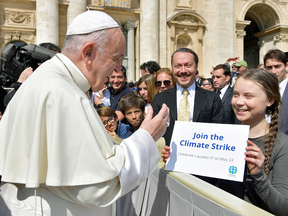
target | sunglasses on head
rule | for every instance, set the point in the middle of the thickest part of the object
(166, 83)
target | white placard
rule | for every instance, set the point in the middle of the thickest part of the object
(207, 149)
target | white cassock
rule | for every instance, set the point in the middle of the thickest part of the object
(56, 157)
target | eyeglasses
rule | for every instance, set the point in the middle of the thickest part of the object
(166, 83)
(233, 66)
(110, 119)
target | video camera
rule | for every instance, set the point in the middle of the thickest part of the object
(17, 57)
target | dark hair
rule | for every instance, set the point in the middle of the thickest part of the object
(106, 111)
(129, 101)
(275, 54)
(131, 85)
(269, 83)
(50, 46)
(210, 81)
(186, 50)
(152, 67)
(225, 67)
(123, 69)
(143, 66)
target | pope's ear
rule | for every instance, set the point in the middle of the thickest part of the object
(88, 53)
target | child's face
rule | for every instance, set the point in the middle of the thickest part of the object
(110, 123)
(134, 116)
(143, 91)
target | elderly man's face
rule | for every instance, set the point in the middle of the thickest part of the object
(108, 60)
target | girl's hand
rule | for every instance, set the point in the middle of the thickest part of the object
(165, 153)
(254, 157)
(113, 133)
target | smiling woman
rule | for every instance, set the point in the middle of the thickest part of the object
(265, 184)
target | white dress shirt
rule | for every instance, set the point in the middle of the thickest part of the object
(282, 86)
(223, 91)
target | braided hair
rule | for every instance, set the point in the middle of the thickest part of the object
(269, 83)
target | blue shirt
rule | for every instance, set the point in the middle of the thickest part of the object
(115, 97)
(123, 130)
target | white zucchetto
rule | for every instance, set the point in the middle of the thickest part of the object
(91, 21)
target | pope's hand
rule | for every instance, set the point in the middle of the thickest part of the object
(156, 126)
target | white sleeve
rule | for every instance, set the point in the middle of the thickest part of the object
(141, 159)
(106, 99)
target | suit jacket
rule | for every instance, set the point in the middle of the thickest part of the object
(283, 112)
(230, 117)
(207, 108)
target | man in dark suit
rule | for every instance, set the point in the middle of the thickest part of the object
(275, 61)
(205, 106)
(221, 80)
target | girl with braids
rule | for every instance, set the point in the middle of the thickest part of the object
(265, 184)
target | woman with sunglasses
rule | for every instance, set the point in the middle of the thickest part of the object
(113, 126)
(146, 89)
(164, 79)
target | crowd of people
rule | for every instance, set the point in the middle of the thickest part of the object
(83, 108)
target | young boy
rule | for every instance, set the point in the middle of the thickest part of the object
(132, 107)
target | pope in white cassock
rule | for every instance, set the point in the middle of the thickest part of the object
(56, 157)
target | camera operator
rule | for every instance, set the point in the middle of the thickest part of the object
(26, 73)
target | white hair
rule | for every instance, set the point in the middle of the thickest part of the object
(73, 43)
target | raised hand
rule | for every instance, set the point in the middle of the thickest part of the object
(156, 126)
(254, 157)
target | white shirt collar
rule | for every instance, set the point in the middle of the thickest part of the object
(223, 91)
(282, 86)
(73, 65)
(190, 88)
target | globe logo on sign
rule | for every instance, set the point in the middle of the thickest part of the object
(233, 170)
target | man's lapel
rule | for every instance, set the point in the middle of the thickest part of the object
(227, 94)
(200, 97)
(172, 103)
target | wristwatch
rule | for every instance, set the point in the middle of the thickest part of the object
(99, 106)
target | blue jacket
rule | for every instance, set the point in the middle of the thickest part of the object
(123, 130)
